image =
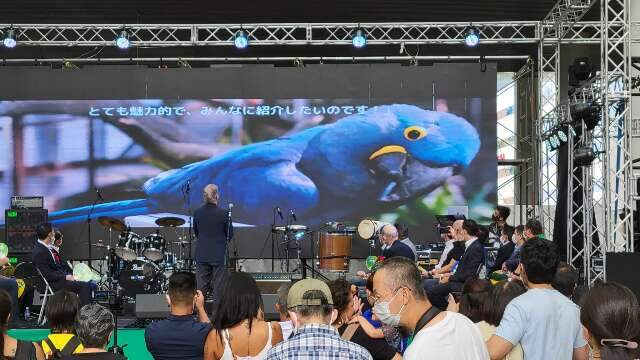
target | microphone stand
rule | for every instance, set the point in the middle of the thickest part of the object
(93, 205)
(229, 225)
(187, 198)
(273, 240)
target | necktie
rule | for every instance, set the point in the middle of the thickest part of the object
(56, 256)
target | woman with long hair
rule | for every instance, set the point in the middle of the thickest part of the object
(239, 328)
(474, 298)
(12, 348)
(611, 317)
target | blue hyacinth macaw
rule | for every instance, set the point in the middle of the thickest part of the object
(362, 164)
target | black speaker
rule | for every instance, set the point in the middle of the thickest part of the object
(623, 268)
(20, 228)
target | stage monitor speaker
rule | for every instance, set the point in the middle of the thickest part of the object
(623, 268)
(154, 306)
(20, 228)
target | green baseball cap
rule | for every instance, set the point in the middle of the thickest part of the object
(309, 292)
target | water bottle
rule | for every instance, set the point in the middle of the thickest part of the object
(27, 314)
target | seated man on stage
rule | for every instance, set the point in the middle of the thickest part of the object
(392, 246)
(47, 259)
(466, 268)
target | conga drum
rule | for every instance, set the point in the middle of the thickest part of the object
(335, 251)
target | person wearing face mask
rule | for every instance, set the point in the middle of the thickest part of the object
(311, 309)
(400, 300)
(499, 217)
(519, 238)
(347, 324)
(506, 248)
(542, 320)
(181, 335)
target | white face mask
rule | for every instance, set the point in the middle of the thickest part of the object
(382, 311)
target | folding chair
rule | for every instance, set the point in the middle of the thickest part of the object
(31, 275)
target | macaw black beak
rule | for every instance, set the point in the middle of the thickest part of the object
(401, 176)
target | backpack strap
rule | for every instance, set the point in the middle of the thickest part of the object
(71, 346)
(54, 350)
(349, 331)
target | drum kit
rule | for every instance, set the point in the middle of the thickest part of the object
(142, 264)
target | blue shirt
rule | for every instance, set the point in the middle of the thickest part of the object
(317, 342)
(546, 324)
(177, 337)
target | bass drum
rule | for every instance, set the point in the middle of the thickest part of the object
(140, 277)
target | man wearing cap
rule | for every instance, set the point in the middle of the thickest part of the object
(311, 309)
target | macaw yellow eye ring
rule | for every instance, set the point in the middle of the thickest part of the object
(413, 133)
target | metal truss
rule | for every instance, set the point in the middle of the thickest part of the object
(299, 34)
(602, 220)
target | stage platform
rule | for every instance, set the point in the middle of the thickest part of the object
(135, 348)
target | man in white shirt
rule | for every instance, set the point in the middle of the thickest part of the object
(281, 307)
(542, 320)
(400, 300)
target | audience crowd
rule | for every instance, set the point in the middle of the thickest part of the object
(520, 303)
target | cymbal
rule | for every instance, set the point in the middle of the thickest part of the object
(100, 245)
(170, 221)
(180, 242)
(112, 223)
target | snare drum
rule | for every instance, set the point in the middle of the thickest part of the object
(129, 245)
(154, 247)
(335, 251)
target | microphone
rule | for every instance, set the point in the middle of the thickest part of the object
(293, 215)
(280, 213)
(99, 195)
(230, 208)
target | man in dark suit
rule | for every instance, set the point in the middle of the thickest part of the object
(505, 251)
(391, 246)
(46, 258)
(466, 268)
(212, 228)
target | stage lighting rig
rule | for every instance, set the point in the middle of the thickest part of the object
(557, 136)
(240, 39)
(584, 156)
(122, 41)
(359, 39)
(471, 36)
(10, 40)
(589, 112)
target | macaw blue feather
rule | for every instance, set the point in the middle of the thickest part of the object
(373, 161)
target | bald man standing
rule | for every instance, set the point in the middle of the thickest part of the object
(391, 246)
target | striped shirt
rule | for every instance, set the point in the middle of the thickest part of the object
(317, 342)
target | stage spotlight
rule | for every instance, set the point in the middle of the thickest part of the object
(359, 39)
(122, 41)
(562, 136)
(10, 39)
(588, 112)
(241, 40)
(299, 235)
(583, 156)
(472, 36)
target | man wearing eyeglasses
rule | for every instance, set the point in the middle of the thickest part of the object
(400, 300)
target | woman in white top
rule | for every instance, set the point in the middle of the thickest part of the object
(239, 330)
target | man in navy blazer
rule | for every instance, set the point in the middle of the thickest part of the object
(47, 259)
(467, 267)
